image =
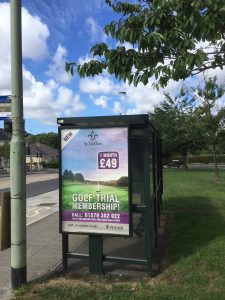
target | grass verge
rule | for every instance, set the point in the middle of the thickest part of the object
(196, 259)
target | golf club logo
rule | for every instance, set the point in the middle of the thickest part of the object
(92, 136)
(92, 139)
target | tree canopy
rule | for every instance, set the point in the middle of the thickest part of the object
(79, 177)
(68, 175)
(172, 39)
(210, 114)
(51, 139)
(192, 121)
(180, 132)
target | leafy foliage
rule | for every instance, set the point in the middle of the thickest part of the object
(50, 139)
(170, 38)
(5, 151)
(122, 181)
(178, 127)
(54, 164)
(68, 175)
(192, 121)
(79, 177)
(210, 115)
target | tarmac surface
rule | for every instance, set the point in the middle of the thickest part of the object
(44, 244)
(43, 238)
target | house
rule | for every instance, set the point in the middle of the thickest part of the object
(4, 154)
(4, 138)
(39, 154)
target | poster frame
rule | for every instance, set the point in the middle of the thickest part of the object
(130, 225)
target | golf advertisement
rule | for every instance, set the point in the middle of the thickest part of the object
(94, 181)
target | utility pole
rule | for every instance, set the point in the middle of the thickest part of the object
(17, 154)
(124, 108)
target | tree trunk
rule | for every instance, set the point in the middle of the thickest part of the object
(216, 169)
(184, 159)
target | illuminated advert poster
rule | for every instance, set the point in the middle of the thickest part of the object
(94, 176)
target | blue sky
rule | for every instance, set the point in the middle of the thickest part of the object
(58, 31)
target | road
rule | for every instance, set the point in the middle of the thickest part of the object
(39, 187)
(37, 183)
(42, 195)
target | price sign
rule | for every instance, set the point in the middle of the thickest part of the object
(108, 160)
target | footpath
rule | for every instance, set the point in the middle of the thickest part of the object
(43, 238)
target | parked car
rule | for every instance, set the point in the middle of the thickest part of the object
(175, 163)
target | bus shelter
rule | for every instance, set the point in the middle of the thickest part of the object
(111, 187)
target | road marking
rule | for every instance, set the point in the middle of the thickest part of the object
(32, 212)
(36, 212)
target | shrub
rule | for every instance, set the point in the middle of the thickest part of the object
(201, 159)
(123, 181)
(53, 164)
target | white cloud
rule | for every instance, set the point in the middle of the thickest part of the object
(84, 59)
(56, 69)
(34, 41)
(126, 45)
(5, 73)
(143, 98)
(43, 101)
(117, 108)
(68, 101)
(4, 32)
(34, 34)
(98, 84)
(140, 99)
(95, 31)
(219, 73)
(101, 101)
(47, 101)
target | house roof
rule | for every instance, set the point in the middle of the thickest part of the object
(42, 149)
(3, 136)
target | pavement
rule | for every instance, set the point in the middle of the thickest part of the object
(44, 245)
(43, 238)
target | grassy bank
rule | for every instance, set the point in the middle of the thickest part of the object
(196, 252)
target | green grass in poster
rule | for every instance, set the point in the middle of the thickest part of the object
(73, 187)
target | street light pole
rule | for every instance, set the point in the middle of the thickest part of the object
(124, 94)
(17, 155)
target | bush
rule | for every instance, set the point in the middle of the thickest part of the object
(44, 165)
(78, 177)
(123, 181)
(54, 164)
(206, 159)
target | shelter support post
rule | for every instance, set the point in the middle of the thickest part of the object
(95, 254)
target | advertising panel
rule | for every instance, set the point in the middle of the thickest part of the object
(5, 107)
(94, 181)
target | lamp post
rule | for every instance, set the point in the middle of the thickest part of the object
(30, 150)
(123, 96)
(17, 154)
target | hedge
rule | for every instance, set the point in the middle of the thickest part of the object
(54, 164)
(203, 159)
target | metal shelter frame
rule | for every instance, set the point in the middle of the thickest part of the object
(145, 180)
